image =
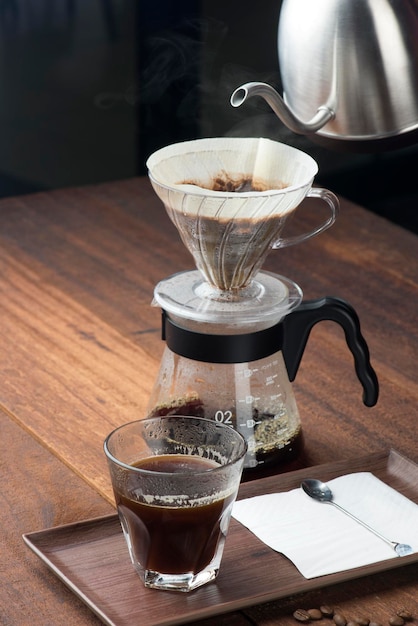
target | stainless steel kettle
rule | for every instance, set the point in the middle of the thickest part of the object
(349, 72)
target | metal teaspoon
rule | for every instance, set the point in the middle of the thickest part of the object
(320, 491)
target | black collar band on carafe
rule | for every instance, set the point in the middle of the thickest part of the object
(211, 348)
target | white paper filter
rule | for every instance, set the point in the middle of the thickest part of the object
(288, 171)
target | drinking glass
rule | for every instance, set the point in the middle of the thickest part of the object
(175, 480)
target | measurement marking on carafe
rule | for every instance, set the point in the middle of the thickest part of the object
(270, 380)
(252, 399)
(225, 417)
(249, 372)
(249, 423)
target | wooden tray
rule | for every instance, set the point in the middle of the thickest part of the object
(91, 557)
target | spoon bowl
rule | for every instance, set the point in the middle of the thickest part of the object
(321, 492)
(317, 490)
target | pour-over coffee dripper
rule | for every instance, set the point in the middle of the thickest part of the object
(235, 334)
(230, 199)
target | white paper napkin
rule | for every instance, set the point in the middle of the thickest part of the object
(318, 538)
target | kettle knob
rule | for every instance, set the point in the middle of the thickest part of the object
(298, 324)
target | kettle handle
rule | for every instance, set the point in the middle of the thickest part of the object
(298, 324)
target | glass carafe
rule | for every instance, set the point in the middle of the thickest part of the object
(236, 367)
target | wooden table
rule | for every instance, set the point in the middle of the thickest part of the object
(80, 348)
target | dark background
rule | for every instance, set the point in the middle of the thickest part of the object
(89, 88)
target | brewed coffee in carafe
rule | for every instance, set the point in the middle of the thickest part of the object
(234, 333)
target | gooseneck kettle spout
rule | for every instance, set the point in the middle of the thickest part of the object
(278, 105)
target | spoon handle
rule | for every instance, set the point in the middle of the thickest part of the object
(393, 544)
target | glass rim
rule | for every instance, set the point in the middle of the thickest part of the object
(151, 472)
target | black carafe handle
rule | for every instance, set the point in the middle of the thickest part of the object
(298, 324)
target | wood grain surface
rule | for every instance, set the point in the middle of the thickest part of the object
(80, 348)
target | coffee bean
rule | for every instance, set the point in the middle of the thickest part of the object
(406, 615)
(301, 615)
(326, 611)
(361, 620)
